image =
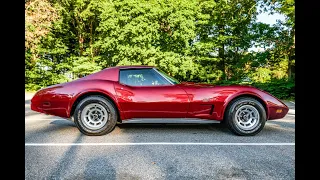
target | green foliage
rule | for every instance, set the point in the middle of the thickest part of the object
(82, 66)
(191, 40)
(148, 33)
(261, 75)
(281, 89)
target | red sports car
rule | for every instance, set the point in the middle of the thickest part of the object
(145, 94)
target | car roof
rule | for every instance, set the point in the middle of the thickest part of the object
(134, 66)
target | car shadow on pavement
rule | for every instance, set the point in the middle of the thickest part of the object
(57, 125)
(99, 168)
(63, 123)
(66, 160)
(270, 127)
(173, 128)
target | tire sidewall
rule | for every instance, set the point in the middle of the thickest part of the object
(238, 104)
(111, 121)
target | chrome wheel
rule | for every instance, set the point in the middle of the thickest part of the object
(247, 117)
(94, 116)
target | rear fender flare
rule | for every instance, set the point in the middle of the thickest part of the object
(106, 93)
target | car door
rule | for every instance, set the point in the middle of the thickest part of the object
(144, 93)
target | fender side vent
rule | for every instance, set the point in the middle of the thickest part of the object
(211, 111)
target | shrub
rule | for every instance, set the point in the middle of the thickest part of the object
(282, 89)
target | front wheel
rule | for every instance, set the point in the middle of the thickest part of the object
(245, 116)
(95, 115)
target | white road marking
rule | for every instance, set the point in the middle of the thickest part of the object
(159, 143)
(292, 102)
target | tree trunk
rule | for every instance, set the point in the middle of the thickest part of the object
(291, 54)
(290, 64)
(221, 53)
(91, 39)
(80, 44)
(80, 37)
(289, 71)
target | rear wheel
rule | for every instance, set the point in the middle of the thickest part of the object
(245, 116)
(95, 115)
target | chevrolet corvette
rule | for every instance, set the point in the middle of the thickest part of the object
(145, 94)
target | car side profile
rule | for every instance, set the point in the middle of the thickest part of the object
(145, 94)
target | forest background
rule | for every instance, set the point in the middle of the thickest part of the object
(208, 41)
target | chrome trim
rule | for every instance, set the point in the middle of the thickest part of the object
(169, 121)
(162, 76)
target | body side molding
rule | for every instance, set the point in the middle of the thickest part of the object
(169, 121)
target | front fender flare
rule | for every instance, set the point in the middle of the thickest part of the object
(241, 94)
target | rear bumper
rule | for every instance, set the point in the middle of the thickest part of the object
(47, 105)
(35, 106)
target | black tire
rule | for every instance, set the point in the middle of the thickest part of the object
(105, 106)
(245, 104)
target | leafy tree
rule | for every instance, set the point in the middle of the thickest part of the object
(192, 40)
(148, 33)
(39, 15)
(284, 49)
(223, 37)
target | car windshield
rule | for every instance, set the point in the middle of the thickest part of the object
(171, 79)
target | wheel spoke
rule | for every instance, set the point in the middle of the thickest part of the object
(247, 117)
(94, 116)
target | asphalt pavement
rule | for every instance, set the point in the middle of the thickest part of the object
(55, 149)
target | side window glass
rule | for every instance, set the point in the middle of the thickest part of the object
(141, 77)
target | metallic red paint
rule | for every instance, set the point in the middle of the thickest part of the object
(184, 100)
(152, 101)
